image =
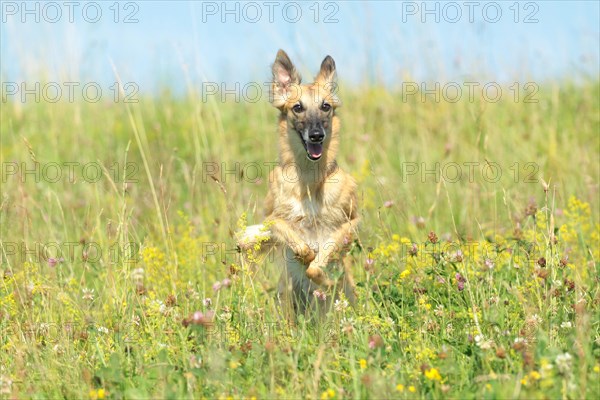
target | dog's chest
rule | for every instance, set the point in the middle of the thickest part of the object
(315, 218)
(304, 211)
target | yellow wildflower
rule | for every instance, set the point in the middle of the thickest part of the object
(405, 273)
(433, 374)
(97, 394)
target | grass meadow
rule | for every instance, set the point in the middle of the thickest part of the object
(477, 263)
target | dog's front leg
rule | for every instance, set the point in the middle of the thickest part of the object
(283, 233)
(252, 236)
(333, 247)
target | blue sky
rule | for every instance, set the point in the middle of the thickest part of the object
(178, 43)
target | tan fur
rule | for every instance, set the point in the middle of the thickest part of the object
(311, 206)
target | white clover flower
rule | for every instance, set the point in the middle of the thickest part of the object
(88, 294)
(557, 283)
(5, 385)
(340, 305)
(566, 325)
(225, 314)
(58, 349)
(137, 275)
(44, 328)
(483, 343)
(486, 345)
(563, 363)
(347, 322)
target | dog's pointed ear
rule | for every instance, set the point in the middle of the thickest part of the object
(327, 78)
(284, 76)
(327, 73)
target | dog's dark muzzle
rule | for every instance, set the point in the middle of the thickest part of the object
(314, 145)
(316, 136)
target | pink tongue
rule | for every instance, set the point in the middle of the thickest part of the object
(314, 149)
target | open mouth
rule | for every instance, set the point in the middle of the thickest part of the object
(314, 150)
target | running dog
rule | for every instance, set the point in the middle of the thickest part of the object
(311, 206)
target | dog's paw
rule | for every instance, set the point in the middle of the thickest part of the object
(251, 236)
(318, 276)
(304, 253)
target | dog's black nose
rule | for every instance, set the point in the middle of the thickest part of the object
(316, 136)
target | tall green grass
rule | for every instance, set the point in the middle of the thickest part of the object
(157, 229)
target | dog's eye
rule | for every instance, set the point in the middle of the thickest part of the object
(298, 108)
(325, 106)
